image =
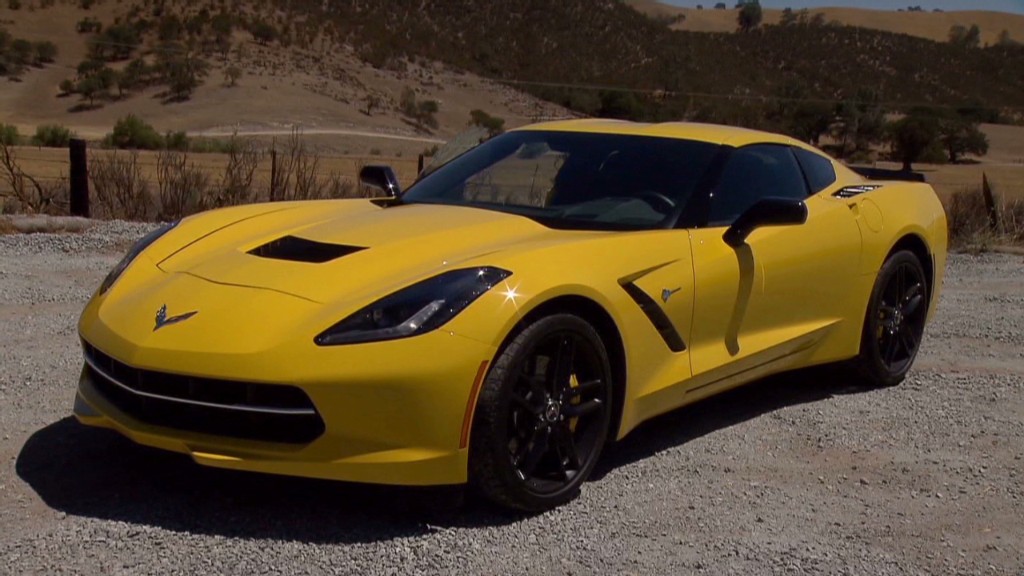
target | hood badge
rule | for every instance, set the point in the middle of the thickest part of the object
(163, 320)
(666, 294)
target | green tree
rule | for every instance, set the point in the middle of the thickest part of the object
(426, 113)
(52, 136)
(963, 36)
(20, 53)
(9, 135)
(960, 136)
(232, 74)
(181, 70)
(492, 124)
(134, 76)
(750, 15)
(911, 136)
(132, 132)
(90, 87)
(263, 32)
(46, 52)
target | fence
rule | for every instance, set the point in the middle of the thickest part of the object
(106, 183)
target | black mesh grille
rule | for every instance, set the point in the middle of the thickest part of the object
(266, 412)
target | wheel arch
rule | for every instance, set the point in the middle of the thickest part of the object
(917, 245)
(606, 327)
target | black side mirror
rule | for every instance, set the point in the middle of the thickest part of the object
(767, 212)
(382, 178)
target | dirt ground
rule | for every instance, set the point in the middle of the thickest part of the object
(798, 474)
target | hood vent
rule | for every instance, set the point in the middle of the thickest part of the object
(851, 191)
(295, 249)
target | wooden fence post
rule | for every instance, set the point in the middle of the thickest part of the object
(79, 178)
(419, 165)
(273, 173)
(990, 203)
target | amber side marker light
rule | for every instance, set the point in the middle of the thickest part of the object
(467, 421)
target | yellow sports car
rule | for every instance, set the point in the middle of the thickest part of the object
(513, 311)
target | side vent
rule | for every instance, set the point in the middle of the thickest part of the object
(657, 317)
(851, 191)
(295, 249)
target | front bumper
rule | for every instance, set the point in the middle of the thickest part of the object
(392, 412)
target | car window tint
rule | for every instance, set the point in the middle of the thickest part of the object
(750, 174)
(819, 170)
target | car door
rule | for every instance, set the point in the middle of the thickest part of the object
(764, 305)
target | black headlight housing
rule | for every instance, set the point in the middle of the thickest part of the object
(132, 254)
(420, 308)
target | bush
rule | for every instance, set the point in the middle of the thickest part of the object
(9, 135)
(46, 52)
(52, 136)
(120, 189)
(134, 133)
(492, 124)
(176, 141)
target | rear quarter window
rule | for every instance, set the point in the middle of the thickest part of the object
(819, 170)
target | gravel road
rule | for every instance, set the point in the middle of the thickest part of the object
(798, 474)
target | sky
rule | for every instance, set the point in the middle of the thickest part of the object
(1016, 6)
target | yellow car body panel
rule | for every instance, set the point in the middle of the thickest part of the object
(396, 412)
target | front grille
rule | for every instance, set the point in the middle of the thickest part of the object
(265, 412)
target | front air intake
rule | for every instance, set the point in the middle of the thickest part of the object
(295, 249)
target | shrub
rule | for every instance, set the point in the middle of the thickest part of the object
(176, 141)
(119, 187)
(182, 185)
(132, 132)
(52, 136)
(46, 52)
(492, 124)
(9, 135)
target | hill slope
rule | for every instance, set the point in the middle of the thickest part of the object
(929, 25)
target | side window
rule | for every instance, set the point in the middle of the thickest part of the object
(752, 173)
(819, 170)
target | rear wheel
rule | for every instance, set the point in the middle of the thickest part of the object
(895, 321)
(542, 416)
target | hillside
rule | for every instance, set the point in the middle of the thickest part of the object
(280, 87)
(324, 60)
(929, 25)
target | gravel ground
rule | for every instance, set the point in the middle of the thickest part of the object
(798, 474)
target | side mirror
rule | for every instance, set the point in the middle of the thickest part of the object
(382, 178)
(767, 212)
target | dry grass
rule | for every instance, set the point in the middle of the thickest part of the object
(930, 25)
(976, 225)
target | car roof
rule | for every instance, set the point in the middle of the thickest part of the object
(713, 133)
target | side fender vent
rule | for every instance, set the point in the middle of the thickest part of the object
(851, 191)
(295, 249)
(656, 316)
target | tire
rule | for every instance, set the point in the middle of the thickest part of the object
(894, 322)
(542, 416)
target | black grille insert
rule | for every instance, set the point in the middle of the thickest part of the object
(265, 412)
(295, 249)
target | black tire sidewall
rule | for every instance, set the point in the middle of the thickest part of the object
(490, 470)
(870, 363)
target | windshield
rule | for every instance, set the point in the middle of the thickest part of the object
(573, 179)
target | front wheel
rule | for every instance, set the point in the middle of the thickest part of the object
(542, 416)
(895, 321)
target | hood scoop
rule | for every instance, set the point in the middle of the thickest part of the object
(295, 249)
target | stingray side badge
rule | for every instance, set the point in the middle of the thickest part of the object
(666, 294)
(163, 320)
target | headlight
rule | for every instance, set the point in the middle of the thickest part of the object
(133, 254)
(419, 308)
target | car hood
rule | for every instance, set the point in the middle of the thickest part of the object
(369, 250)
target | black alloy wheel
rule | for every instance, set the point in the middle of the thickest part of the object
(543, 415)
(895, 323)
